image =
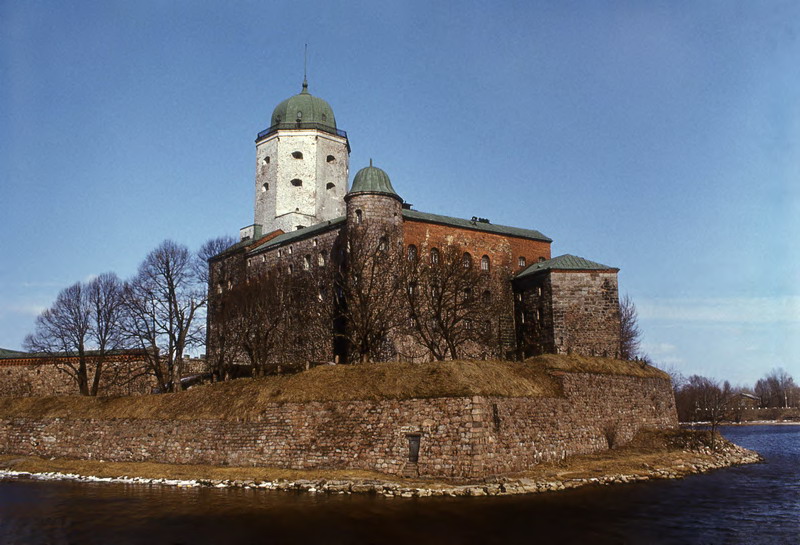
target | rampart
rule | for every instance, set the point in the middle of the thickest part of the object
(457, 437)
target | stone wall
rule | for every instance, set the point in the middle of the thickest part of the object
(41, 377)
(467, 437)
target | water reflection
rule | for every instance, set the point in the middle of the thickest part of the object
(751, 504)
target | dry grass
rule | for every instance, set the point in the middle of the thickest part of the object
(248, 398)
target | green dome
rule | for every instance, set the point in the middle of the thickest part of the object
(303, 108)
(372, 180)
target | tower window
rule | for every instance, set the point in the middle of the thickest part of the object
(412, 252)
(297, 182)
(485, 263)
(330, 185)
(466, 260)
(383, 244)
(330, 158)
(265, 187)
(299, 115)
(521, 261)
(359, 216)
(290, 269)
(297, 154)
(265, 160)
(434, 256)
(321, 259)
(307, 262)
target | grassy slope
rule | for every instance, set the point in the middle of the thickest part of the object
(246, 398)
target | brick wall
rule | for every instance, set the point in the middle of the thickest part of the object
(467, 437)
(37, 377)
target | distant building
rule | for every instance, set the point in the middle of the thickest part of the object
(303, 209)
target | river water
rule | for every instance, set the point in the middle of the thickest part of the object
(751, 504)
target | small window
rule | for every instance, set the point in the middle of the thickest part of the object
(324, 117)
(434, 256)
(280, 253)
(383, 244)
(265, 187)
(359, 216)
(306, 262)
(330, 185)
(265, 160)
(330, 158)
(297, 154)
(300, 227)
(321, 259)
(290, 269)
(314, 243)
(412, 252)
(487, 297)
(539, 291)
(290, 250)
(542, 259)
(466, 260)
(297, 182)
(412, 287)
(521, 261)
(299, 115)
(485, 263)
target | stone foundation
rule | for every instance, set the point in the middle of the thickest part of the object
(459, 438)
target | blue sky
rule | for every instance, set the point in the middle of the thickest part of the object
(659, 137)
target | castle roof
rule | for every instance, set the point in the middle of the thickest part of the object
(302, 109)
(299, 234)
(475, 225)
(372, 180)
(6, 353)
(566, 262)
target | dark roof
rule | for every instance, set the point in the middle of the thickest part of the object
(6, 353)
(566, 262)
(475, 225)
(299, 234)
(11, 355)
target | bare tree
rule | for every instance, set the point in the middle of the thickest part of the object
(777, 389)
(704, 399)
(162, 304)
(209, 249)
(629, 335)
(369, 296)
(449, 302)
(81, 329)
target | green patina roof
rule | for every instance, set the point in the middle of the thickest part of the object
(6, 353)
(476, 225)
(303, 108)
(299, 234)
(565, 262)
(372, 180)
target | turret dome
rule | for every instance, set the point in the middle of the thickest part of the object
(372, 180)
(303, 109)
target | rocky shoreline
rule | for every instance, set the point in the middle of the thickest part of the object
(687, 462)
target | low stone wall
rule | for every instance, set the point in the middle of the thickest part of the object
(458, 437)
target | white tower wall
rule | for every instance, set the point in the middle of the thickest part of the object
(281, 202)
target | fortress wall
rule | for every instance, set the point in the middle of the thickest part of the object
(468, 437)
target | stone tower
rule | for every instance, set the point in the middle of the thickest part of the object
(301, 167)
(373, 204)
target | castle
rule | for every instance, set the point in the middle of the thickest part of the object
(304, 214)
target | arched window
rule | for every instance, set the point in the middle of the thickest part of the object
(265, 160)
(330, 158)
(485, 263)
(265, 187)
(434, 256)
(297, 154)
(466, 260)
(487, 297)
(412, 252)
(297, 182)
(542, 259)
(290, 269)
(321, 259)
(521, 261)
(306, 262)
(330, 185)
(359, 216)
(383, 244)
